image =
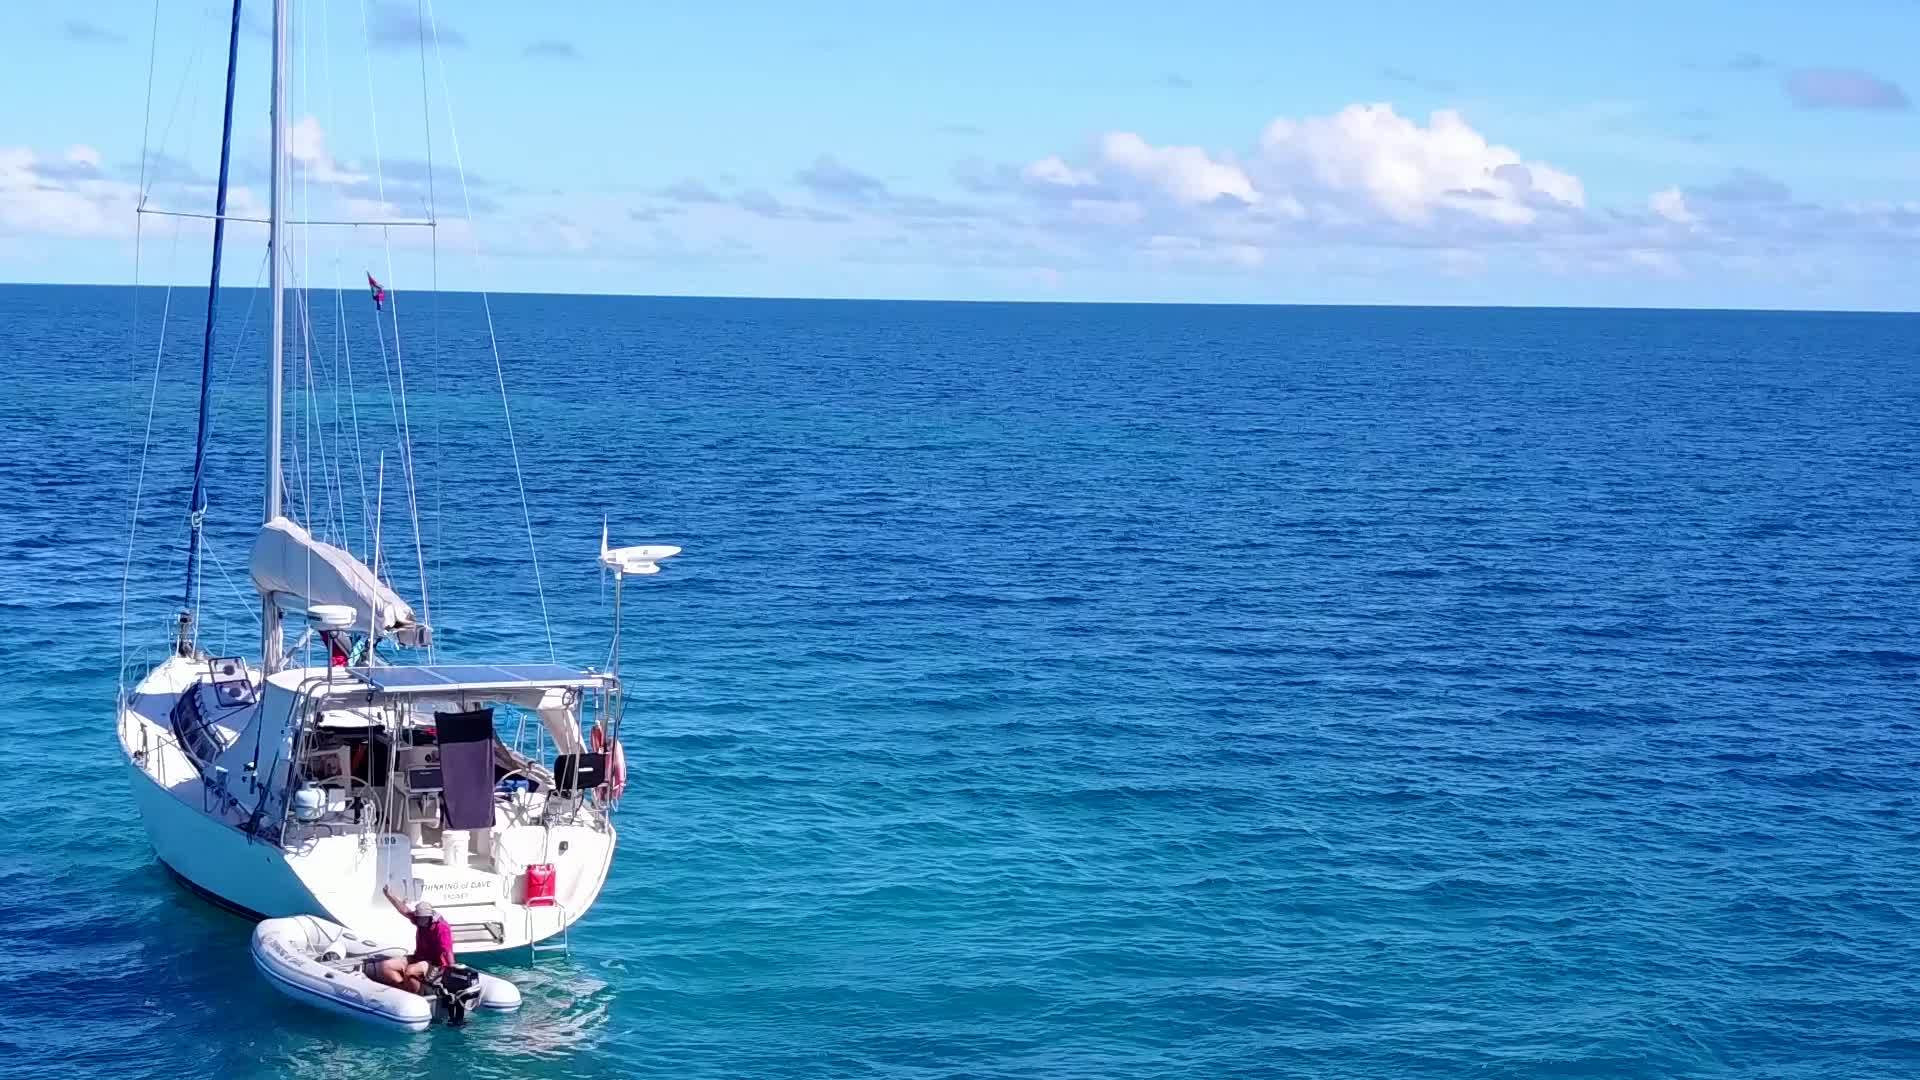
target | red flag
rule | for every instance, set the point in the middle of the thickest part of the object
(379, 292)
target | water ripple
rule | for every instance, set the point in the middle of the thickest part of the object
(1083, 692)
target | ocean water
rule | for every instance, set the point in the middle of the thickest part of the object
(1055, 691)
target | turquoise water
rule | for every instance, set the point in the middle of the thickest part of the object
(1068, 691)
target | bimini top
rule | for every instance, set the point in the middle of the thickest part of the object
(443, 678)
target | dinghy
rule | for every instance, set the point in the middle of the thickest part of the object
(320, 963)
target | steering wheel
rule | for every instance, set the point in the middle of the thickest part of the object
(520, 806)
(346, 785)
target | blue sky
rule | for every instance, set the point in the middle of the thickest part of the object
(1762, 154)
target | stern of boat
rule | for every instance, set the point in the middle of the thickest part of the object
(481, 891)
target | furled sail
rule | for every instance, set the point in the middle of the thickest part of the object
(297, 571)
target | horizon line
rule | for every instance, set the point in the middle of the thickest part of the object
(1039, 301)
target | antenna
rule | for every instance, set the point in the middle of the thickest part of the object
(642, 559)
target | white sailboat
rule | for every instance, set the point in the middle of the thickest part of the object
(276, 788)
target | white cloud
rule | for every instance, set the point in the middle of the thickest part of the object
(61, 197)
(1361, 177)
(307, 145)
(1370, 158)
(1362, 170)
(1057, 173)
(1363, 183)
(1187, 174)
(1124, 166)
(1671, 204)
(1440, 192)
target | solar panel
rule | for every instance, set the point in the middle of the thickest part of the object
(447, 677)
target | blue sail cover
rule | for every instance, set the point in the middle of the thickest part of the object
(197, 502)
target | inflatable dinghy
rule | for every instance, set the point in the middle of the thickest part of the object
(318, 962)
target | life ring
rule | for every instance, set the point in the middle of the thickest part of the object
(616, 764)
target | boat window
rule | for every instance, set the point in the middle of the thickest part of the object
(191, 726)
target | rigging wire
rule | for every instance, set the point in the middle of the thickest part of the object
(146, 120)
(396, 223)
(173, 111)
(343, 345)
(133, 331)
(197, 501)
(493, 340)
(330, 425)
(313, 422)
(433, 244)
(250, 606)
(317, 428)
(146, 440)
(138, 472)
(193, 62)
(301, 324)
(233, 356)
(335, 515)
(399, 363)
(353, 404)
(223, 395)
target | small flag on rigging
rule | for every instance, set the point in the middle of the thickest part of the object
(379, 293)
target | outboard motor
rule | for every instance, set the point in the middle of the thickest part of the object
(458, 990)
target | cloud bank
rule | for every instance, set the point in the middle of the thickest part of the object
(1365, 183)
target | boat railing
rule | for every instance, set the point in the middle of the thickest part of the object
(368, 815)
(152, 755)
(152, 738)
(136, 667)
(572, 808)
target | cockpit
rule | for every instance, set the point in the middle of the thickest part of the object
(435, 751)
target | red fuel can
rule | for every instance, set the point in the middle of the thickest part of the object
(540, 885)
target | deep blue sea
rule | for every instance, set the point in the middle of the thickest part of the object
(1054, 690)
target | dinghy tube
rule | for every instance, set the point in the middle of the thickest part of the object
(319, 963)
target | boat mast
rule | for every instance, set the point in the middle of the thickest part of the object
(276, 235)
(197, 504)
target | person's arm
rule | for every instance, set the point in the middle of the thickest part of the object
(399, 905)
(445, 932)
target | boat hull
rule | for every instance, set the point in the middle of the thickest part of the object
(342, 875)
(215, 860)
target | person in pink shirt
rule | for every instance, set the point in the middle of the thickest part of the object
(432, 948)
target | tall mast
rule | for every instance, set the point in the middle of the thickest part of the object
(197, 504)
(277, 261)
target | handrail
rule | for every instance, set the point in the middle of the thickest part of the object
(153, 737)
